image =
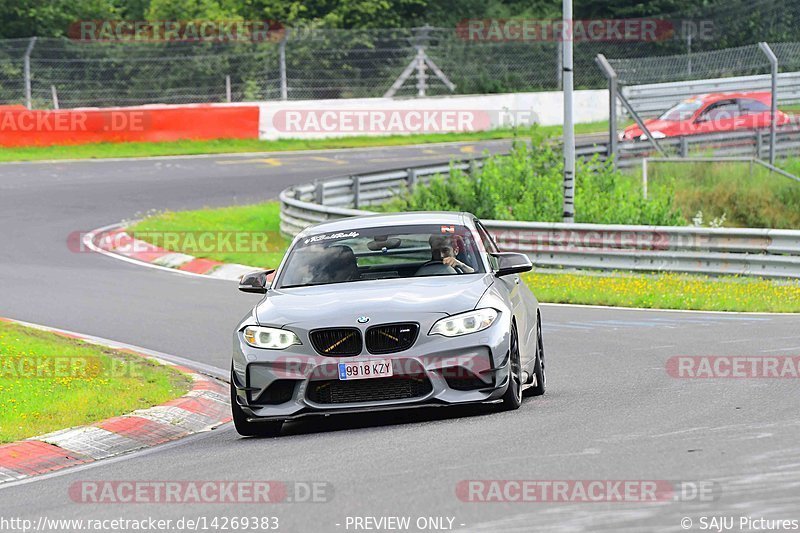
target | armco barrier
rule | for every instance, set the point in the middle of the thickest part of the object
(21, 127)
(739, 143)
(653, 99)
(752, 252)
(338, 117)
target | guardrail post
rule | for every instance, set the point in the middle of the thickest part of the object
(356, 191)
(319, 192)
(773, 61)
(759, 141)
(27, 72)
(684, 147)
(473, 168)
(282, 66)
(611, 75)
(412, 178)
(644, 178)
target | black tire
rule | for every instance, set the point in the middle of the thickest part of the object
(512, 398)
(539, 374)
(245, 428)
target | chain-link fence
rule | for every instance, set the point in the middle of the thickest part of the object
(310, 64)
(12, 70)
(329, 63)
(741, 61)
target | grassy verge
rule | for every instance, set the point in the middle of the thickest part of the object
(746, 197)
(48, 382)
(665, 291)
(224, 146)
(182, 232)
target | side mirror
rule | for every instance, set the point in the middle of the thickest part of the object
(511, 263)
(255, 282)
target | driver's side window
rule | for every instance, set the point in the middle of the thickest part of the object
(723, 110)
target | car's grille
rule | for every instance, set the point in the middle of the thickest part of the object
(388, 338)
(336, 341)
(369, 390)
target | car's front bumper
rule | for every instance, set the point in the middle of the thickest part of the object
(436, 371)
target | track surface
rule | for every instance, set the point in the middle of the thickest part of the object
(611, 411)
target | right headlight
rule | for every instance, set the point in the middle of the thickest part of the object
(269, 338)
(465, 323)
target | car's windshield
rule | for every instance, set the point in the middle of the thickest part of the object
(683, 111)
(378, 253)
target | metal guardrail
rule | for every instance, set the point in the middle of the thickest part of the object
(743, 143)
(752, 252)
(652, 99)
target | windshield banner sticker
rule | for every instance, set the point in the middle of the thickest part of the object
(329, 236)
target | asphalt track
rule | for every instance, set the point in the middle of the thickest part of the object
(611, 411)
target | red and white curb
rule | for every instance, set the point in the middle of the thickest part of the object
(116, 242)
(203, 408)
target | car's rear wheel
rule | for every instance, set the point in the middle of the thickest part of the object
(539, 375)
(268, 428)
(512, 399)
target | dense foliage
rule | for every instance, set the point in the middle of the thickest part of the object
(740, 21)
(734, 192)
(527, 185)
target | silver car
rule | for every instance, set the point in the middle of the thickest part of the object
(386, 312)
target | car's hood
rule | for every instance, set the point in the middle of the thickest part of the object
(381, 300)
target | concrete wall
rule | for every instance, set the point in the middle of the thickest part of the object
(382, 116)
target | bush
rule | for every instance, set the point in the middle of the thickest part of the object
(758, 200)
(527, 185)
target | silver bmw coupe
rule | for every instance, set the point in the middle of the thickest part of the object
(386, 312)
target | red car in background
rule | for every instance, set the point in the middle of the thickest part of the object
(710, 113)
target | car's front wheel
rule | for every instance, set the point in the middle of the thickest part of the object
(268, 428)
(512, 399)
(538, 372)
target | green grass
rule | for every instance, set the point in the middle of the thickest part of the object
(89, 383)
(760, 200)
(665, 291)
(225, 146)
(242, 221)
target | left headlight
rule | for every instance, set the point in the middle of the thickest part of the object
(269, 338)
(465, 323)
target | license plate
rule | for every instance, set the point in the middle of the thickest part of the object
(365, 369)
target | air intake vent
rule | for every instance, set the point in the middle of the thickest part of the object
(369, 390)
